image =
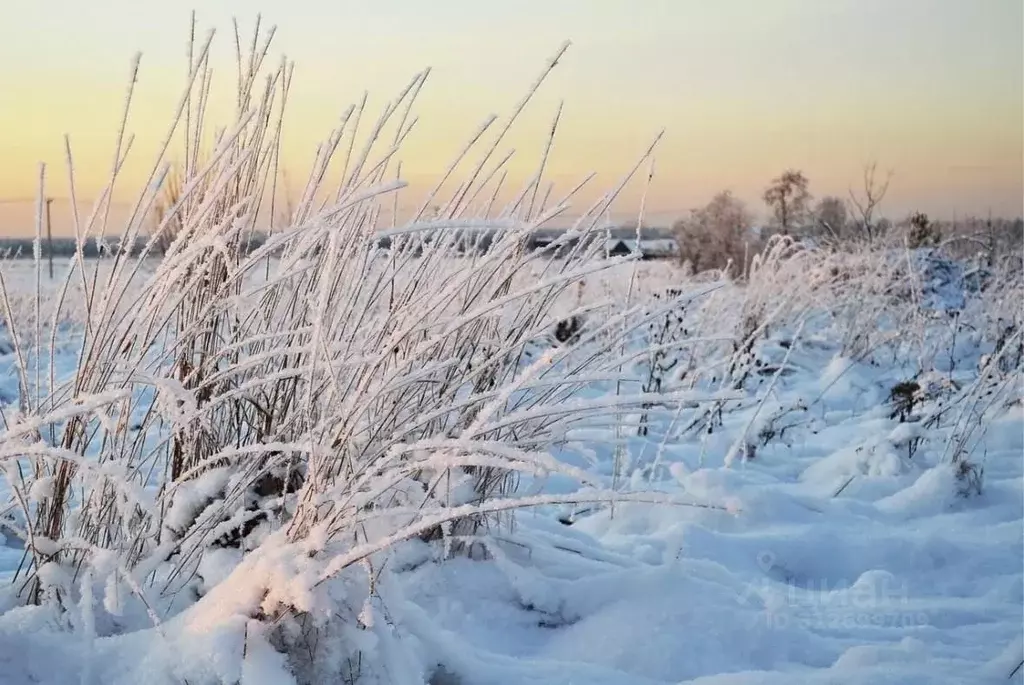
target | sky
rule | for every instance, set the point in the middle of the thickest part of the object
(931, 90)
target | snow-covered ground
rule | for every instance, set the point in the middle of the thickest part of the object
(837, 549)
(895, 580)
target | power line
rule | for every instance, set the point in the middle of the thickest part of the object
(29, 200)
(17, 201)
(35, 200)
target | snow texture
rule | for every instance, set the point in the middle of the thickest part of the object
(841, 555)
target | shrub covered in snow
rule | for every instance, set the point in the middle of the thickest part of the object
(245, 434)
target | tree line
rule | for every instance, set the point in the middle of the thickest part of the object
(722, 234)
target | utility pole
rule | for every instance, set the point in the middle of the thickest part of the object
(49, 236)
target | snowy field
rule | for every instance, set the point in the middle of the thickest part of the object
(812, 524)
(437, 460)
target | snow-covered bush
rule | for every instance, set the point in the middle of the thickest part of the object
(247, 432)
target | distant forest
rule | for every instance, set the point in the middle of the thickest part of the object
(22, 248)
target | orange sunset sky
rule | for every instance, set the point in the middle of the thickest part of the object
(931, 89)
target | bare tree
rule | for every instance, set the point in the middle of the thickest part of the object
(715, 235)
(874, 193)
(830, 217)
(788, 198)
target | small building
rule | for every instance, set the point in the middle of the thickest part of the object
(653, 249)
(619, 248)
(615, 242)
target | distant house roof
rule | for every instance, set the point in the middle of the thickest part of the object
(662, 247)
(619, 248)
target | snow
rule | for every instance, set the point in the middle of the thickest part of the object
(920, 584)
(838, 551)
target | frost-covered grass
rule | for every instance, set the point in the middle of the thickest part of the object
(325, 461)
